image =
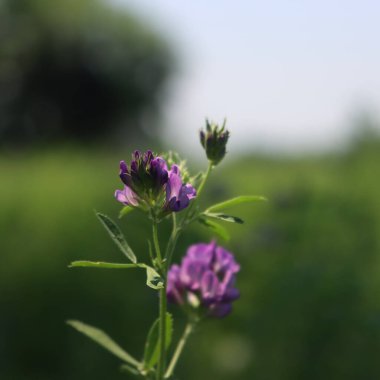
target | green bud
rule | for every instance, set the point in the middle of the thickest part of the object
(214, 140)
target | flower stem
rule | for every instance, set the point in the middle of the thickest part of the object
(156, 243)
(162, 307)
(208, 172)
(162, 334)
(178, 351)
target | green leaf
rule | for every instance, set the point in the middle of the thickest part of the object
(127, 368)
(117, 236)
(216, 228)
(125, 211)
(152, 345)
(103, 340)
(224, 217)
(153, 279)
(236, 201)
(102, 264)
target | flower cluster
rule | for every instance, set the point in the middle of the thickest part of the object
(205, 278)
(148, 183)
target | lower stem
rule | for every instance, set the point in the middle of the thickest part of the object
(177, 353)
(162, 334)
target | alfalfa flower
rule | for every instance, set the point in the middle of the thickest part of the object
(214, 140)
(149, 184)
(205, 280)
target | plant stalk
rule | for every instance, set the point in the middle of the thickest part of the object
(178, 351)
(162, 307)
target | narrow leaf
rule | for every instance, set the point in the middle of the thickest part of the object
(102, 264)
(216, 228)
(153, 279)
(236, 201)
(117, 236)
(152, 345)
(128, 368)
(224, 217)
(103, 340)
(125, 211)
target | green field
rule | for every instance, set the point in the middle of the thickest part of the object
(310, 279)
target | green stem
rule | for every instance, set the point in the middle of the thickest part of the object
(172, 241)
(178, 351)
(208, 172)
(156, 243)
(162, 307)
(162, 334)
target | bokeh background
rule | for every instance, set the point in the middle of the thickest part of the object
(84, 82)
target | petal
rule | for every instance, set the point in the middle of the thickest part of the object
(224, 261)
(190, 191)
(127, 196)
(220, 310)
(174, 289)
(209, 287)
(203, 252)
(174, 184)
(191, 273)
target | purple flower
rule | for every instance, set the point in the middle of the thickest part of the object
(178, 195)
(148, 183)
(206, 278)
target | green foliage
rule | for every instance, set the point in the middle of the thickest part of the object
(125, 211)
(215, 227)
(153, 279)
(117, 236)
(152, 342)
(309, 307)
(103, 340)
(223, 217)
(235, 201)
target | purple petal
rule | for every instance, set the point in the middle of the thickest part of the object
(190, 191)
(127, 197)
(224, 261)
(191, 273)
(174, 185)
(124, 173)
(203, 252)
(226, 291)
(209, 287)
(220, 310)
(174, 289)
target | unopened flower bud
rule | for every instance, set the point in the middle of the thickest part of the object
(214, 140)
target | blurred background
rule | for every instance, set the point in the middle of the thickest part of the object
(84, 82)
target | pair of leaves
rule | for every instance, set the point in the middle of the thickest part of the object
(153, 279)
(211, 213)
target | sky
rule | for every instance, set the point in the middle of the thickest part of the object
(289, 76)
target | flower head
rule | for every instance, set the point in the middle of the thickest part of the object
(148, 183)
(214, 140)
(205, 279)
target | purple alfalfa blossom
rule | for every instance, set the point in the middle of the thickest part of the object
(149, 182)
(178, 195)
(205, 279)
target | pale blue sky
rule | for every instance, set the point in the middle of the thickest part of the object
(288, 75)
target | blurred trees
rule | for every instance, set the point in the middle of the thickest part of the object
(76, 69)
